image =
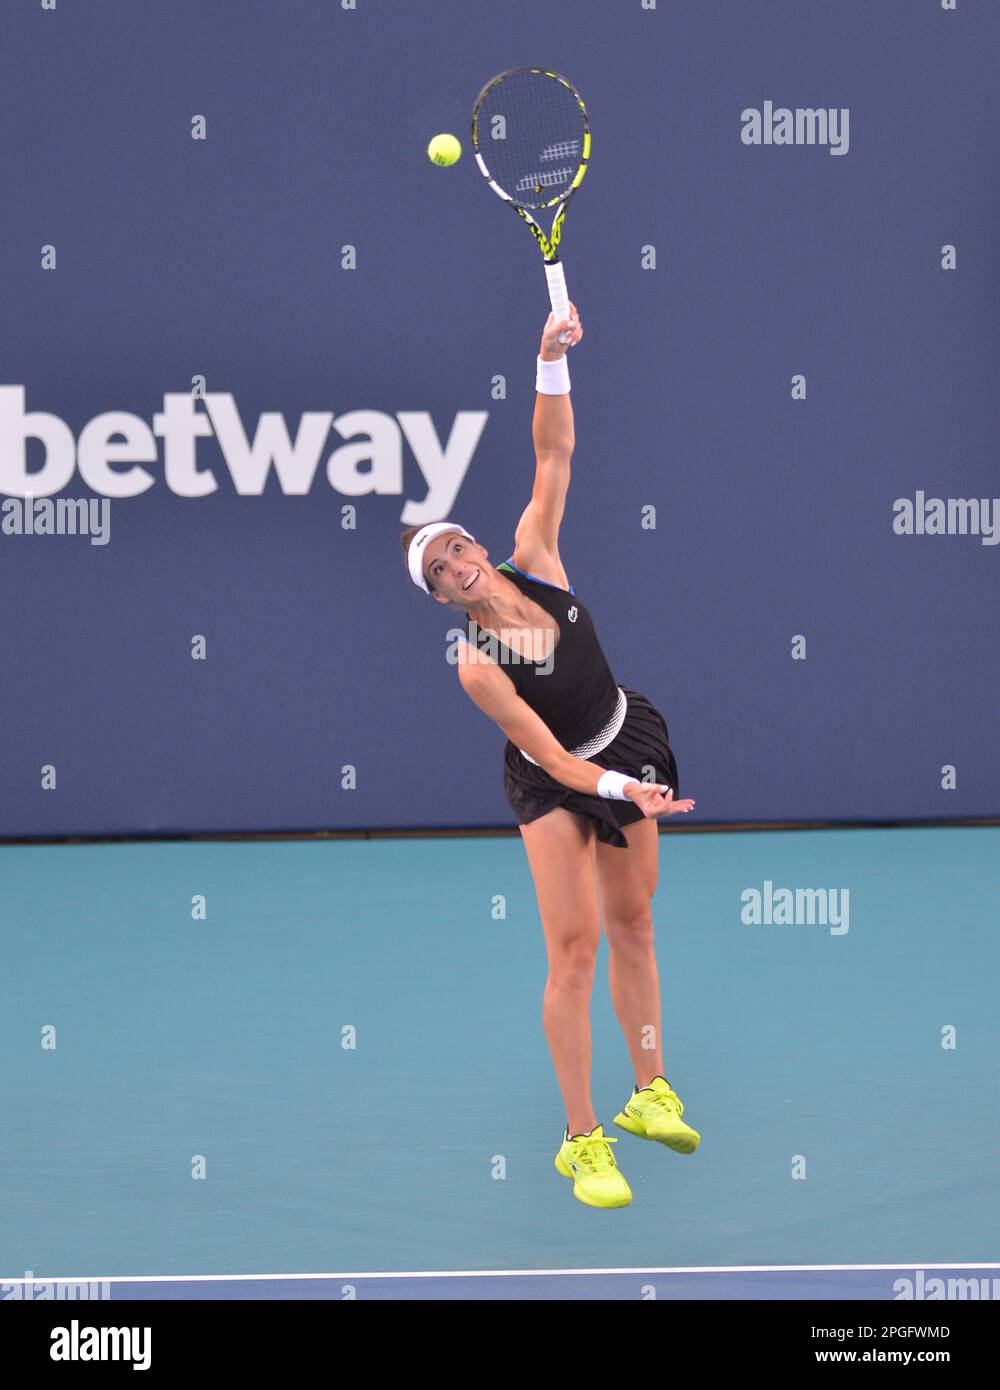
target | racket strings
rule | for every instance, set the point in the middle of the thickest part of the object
(535, 151)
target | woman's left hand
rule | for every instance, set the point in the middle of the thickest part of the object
(552, 348)
(654, 800)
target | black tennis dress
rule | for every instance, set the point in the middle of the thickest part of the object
(576, 695)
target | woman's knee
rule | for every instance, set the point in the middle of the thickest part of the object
(572, 959)
(630, 928)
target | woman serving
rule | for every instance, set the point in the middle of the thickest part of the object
(587, 770)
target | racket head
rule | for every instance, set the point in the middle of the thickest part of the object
(537, 153)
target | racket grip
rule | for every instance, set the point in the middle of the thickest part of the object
(558, 294)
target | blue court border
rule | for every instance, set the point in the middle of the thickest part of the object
(931, 1282)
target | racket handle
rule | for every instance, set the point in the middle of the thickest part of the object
(558, 294)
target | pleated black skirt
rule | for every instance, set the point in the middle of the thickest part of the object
(643, 741)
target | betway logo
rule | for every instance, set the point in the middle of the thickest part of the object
(112, 447)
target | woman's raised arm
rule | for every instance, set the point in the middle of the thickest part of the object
(536, 540)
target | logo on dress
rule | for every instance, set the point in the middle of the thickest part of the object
(572, 614)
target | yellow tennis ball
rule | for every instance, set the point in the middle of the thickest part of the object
(444, 150)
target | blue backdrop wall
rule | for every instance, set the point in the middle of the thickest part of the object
(813, 353)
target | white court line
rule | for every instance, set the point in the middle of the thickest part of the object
(480, 1273)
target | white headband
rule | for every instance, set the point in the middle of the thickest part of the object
(415, 554)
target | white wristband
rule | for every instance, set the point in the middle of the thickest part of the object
(552, 378)
(612, 786)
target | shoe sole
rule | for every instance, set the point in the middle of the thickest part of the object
(609, 1206)
(680, 1145)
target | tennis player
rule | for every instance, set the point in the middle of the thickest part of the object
(588, 769)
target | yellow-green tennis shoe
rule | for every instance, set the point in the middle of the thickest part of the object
(588, 1160)
(655, 1113)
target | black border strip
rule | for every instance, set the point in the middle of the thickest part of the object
(484, 832)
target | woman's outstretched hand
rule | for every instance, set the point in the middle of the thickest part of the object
(654, 799)
(552, 348)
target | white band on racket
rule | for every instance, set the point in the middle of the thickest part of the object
(552, 378)
(558, 293)
(612, 786)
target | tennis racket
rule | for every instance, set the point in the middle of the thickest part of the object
(531, 139)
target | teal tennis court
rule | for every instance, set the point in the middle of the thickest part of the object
(325, 1058)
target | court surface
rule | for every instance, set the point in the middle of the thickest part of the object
(348, 1046)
